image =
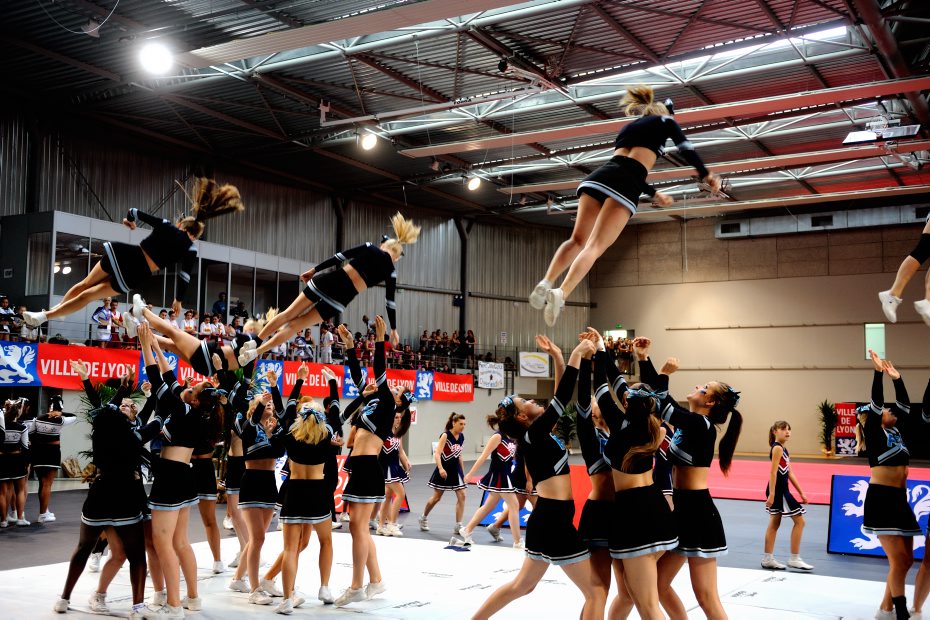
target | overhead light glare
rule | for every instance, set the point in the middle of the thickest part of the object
(66, 269)
(369, 141)
(156, 58)
(474, 183)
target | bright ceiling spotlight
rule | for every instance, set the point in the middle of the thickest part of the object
(474, 183)
(57, 267)
(369, 141)
(156, 58)
(66, 269)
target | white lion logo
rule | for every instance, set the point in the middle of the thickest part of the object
(424, 384)
(918, 498)
(15, 360)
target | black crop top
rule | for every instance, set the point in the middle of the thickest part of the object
(543, 453)
(885, 446)
(623, 435)
(117, 442)
(167, 245)
(302, 452)
(652, 131)
(591, 438)
(183, 425)
(375, 266)
(46, 429)
(377, 416)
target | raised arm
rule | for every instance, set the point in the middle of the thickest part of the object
(136, 215)
(547, 346)
(685, 148)
(543, 424)
(380, 361)
(355, 371)
(340, 257)
(390, 286)
(81, 370)
(616, 380)
(902, 401)
(489, 447)
(611, 413)
(587, 436)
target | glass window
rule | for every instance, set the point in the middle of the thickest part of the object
(289, 287)
(213, 283)
(875, 339)
(38, 257)
(241, 288)
(266, 291)
(72, 253)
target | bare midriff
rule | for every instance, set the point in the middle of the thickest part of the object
(366, 443)
(640, 153)
(356, 278)
(235, 446)
(602, 487)
(557, 487)
(690, 478)
(299, 471)
(890, 475)
(265, 464)
(177, 453)
(624, 481)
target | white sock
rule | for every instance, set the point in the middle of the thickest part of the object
(768, 556)
(795, 556)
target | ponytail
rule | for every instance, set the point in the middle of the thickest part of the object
(727, 399)
(453, 418)
(638, 101)
(641, 409)
(780, 424)
(405, 231)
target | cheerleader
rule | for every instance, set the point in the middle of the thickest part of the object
(498, 485)
(116, 498)
(173, 491)
(922, 582)
(779, 502)
(637, 537)
(396, 469)
(45, 434)
(662, 470)
(891, 298)
(235, 466)
(887, 513)
(551, 537)
(607, 198)
(205, 478)
(14, 462)
(304, 504)
(125, 267)
(701, 538)
(366, 482)
(327, 295)
(448, 475)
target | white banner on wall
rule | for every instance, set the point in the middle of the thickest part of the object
(534, 364)
(490, 375)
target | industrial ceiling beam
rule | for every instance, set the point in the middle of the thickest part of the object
(745, 166)
(708, 210)
(690, 116)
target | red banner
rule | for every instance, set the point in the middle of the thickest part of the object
(844, 435)
(453, 387)
(54, 364)
(316, 384)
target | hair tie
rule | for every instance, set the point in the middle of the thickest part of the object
(733, 395)
(506, 402)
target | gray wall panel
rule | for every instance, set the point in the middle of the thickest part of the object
(14, 149)
(489, 317)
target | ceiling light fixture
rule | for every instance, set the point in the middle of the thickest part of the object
(156, 58)
(369, 141)
(66, 269)
(473, 183)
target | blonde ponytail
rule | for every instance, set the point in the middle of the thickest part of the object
(307, 429)
(210, 200)
(404, 230)
(638, 101)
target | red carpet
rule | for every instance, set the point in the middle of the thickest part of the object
(747, 479)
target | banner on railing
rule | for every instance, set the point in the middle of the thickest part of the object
(49, 365)
(491, 375)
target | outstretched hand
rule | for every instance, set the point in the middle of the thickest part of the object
(661, 199)
(327, 372)
(380, 329)
(547, 346)
(892, 372)
(81, 369)
(128, 224)
(304, 371)
(670, 366)
(346, 336)
(876, 361)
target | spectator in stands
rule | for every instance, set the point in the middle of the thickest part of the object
(102, 320)
(279, 352)
(235, 327)
(326, 345)
(240, 311)
(370, 348)
(29, 334)
(302, 347)
(58, 339)
(424, 341)
(219, 306)
(163, 314)
(508, 364)
(488, 357)
(189, 323)
(470, 342)
(6, 315)
(219, 329)
(206, 327)
(455, 348)
(117, 325)
(172, 317)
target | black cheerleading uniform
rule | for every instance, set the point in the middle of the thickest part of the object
(174, 487)
(204, 470)
(305, 500)
(366, 482)
(258, 488)
(236, 402)
(14, 451)
(886, 511)
(45, 437)
(641, 520)
(785, 504)
(451, 462)
(332, 291)
(624, 178)
(662, 470)
(390, 461)
(594, 525)
(202, 359)
(700, 528)
(116, 496)
(551, 536)
(498, 479)
(166, 245)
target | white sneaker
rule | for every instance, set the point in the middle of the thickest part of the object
(337, 525)
(555, 301)
(424, 523)
(131, 327)
(344, 517)
(350, 596)
(238, 585)
(772, 564)
(519, 545)
(325, 595)
(393, 530)
(916, 615)
(94, 565)
(247, 357)
(799, 564)
(249, 344)
(4, 524)
(495, 532)
(138, 305)
(380, 531)
(538, 296)
(193, 604)
(163, 613)
(457, 529)
(227, 523)
(297, 600)
(466, 537)
(235, 560)
(285, 607)
(98, 603)
(46, 517)
(218, 567)
(890, 305)
(881, 614)
(61, 605)
(34, 319)
(374, 589)
(923, 309)
(259, 598)
(269, 587)
(22, 522)
(159, 598)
